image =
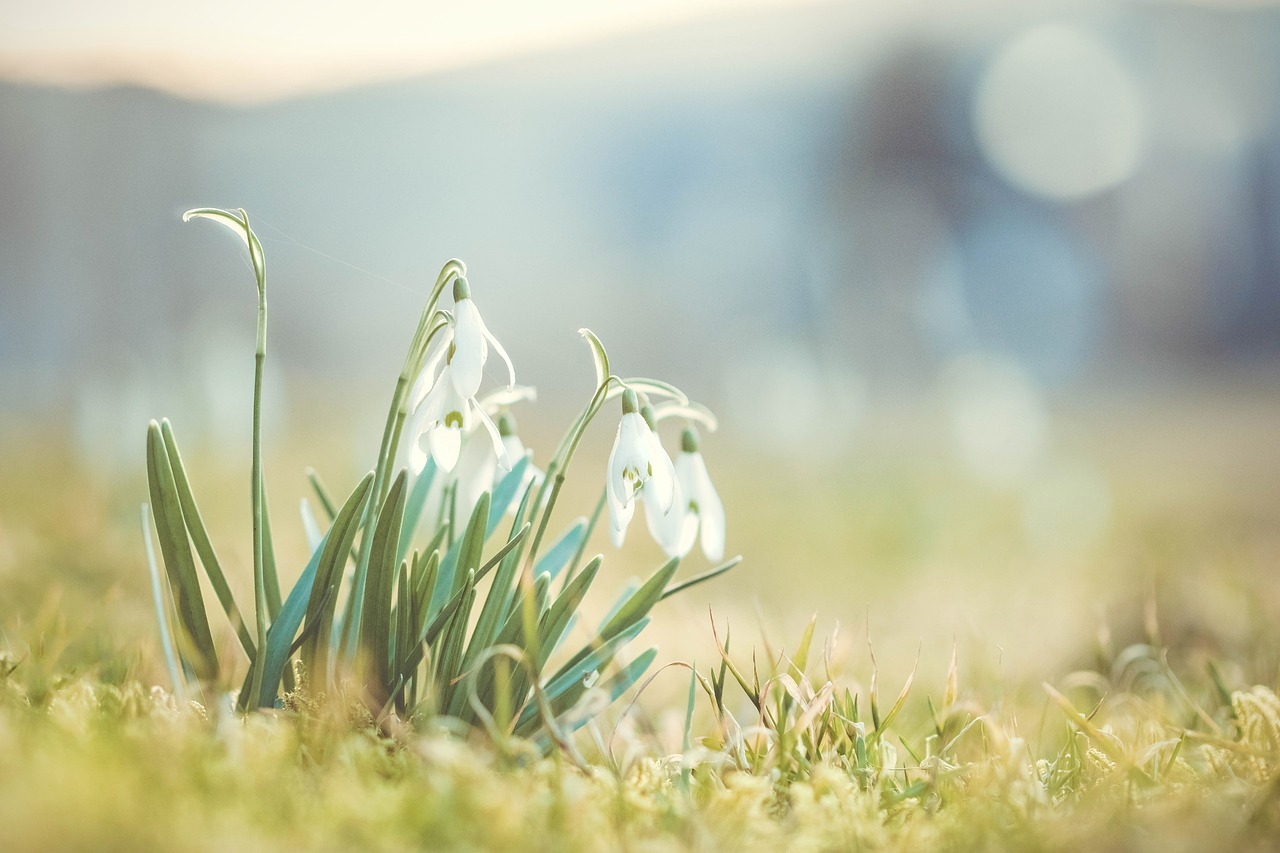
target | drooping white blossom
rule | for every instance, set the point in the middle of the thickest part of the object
(637, 463)
(441, 419)
(470, 339)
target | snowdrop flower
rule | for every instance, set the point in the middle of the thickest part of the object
(637, 462)
(476, 472)
(516, 451)
(698, 505)
(471, 339)
(442, 416)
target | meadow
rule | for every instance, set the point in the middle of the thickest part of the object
(1119, 697)
(908, 656)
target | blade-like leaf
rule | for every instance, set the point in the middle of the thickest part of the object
(375, 622)
(463, 554)
(194, 638)
(680, 587)
(642, 600)
(203, 545)
(158, 598)
(414, 506)
(568, 683)
(280, 635)
(559, 554)
(598, 355)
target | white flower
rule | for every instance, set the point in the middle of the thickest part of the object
(475, 474)
(471, 339)
(441, 417)
(698, 504)
(516, 451)
(637, 462)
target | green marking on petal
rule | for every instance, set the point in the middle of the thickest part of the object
(453, 419)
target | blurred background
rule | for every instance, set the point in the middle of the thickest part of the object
(987, 295)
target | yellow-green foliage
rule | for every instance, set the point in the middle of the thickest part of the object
(85, 765)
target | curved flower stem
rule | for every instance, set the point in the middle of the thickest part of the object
(430, 324)
(256, 477)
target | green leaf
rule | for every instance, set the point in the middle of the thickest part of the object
(463, 554)
(434, 623)
(567, 684)
(449, 658)
(158, 599)
(556, 621)
(194, 638)
(618, 684)
(270, 577)
(296, 605)
(598, 355)
(414, 506)
(322, 494)
(375, 622)
(641, 601)
(702, 578)
(559, 554)
(238, 222)
(403, 618)
(203, 546)
(324, 592)
(506, 492)
(500, 592)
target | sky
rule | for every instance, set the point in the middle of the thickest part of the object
(247, 50)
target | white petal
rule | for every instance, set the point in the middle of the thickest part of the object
(663, 479)
(675, 531)
(425, 381)
(618, 535)
(511, 370)
(474, 472)
(616, 488)
(470, 349)
(514, 447)
(499, 449)
(619, 517)
(710, 509)
(416, 432)
(445, 443)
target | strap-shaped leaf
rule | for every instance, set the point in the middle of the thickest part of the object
(619, 683)
(414, 507)
(677, 588)
(641, 601)
(194, 638)
(280, 635)
(432, 626)
(203, 545)
(463, 554)
(559, 554)
(375, 622)
(323, 600)
(159, 600)
(598, 355)
(402, 619)
(500, 591)
(506, 492)
(569, 683)
(270, 576)
(449, 659)
(556, 621)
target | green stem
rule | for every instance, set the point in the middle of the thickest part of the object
(428, 327)
(259, 576)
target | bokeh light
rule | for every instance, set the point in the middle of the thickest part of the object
(1058, 115)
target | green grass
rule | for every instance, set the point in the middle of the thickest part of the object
(1130, 758)
(1161, 641)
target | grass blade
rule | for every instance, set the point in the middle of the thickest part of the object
(203, 545)
(194, 637)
